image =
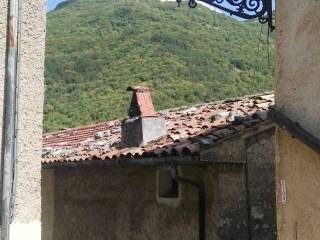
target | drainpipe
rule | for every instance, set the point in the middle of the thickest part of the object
(201, 199)
(9, 119)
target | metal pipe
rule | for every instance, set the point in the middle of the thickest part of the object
(248, 200)
(9, 119)
(201, 200)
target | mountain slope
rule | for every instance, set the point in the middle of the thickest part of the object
(96, 48)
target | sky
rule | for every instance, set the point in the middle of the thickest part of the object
(51, 4)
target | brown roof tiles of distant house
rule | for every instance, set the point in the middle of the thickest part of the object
(188, 130)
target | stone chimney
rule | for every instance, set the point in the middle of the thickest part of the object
(144, 124)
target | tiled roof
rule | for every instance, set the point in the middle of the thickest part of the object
(188, 129)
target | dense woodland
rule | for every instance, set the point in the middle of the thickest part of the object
(96, 49)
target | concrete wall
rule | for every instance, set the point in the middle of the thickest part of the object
(121, 203)
(297, 96)
(26, 221)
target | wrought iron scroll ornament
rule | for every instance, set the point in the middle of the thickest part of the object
(246, 9)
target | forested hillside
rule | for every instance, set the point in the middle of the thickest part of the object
(96, 48)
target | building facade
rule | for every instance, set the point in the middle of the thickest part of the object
(297, 98)
(31, 43)
(97, 185)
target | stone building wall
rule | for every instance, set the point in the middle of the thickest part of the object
(297, 96)
(26, 221)
(261, 182)
(121, 203)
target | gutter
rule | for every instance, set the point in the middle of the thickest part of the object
(9, 119)
(295, 129)
(128, 162)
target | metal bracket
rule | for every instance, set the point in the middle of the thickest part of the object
(246, 9)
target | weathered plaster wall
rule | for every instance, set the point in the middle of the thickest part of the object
(261, 182)
(298, 57)
(116, 204)
(26, 221)
(297, 96)
(299, 167)
(121, 203)
(229, 209)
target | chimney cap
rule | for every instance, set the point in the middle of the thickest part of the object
(141, 103)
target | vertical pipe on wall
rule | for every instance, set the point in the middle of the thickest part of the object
(201, 199)
(9, 119)
(249, 225)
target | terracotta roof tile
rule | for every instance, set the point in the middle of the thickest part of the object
(188, 129)
(141, 103)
